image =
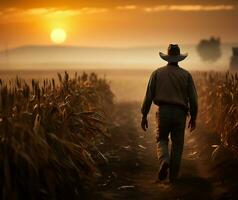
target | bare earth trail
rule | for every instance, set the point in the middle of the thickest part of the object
(133, 164)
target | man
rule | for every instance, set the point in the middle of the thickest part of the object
(172, 89)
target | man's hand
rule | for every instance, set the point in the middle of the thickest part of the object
(192, 125)
(144, 123)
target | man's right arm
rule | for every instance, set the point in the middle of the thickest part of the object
(149, 95)
(148, 101)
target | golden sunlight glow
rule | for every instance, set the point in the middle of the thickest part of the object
(58, 36)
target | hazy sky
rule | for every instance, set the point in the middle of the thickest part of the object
(117, 22)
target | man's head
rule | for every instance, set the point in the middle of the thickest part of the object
(173, 55)
(173, 50)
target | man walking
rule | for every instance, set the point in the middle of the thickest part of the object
(172, 89)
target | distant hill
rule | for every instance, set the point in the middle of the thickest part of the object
(74, 54)
(44, 57)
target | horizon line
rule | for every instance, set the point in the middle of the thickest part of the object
(102, 47)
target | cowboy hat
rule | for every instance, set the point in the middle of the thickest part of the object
(173, 55)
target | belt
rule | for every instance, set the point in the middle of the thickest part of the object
(173, 104)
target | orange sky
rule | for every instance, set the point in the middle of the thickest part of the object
(117, 23)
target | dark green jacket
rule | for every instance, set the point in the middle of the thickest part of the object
(171, 85)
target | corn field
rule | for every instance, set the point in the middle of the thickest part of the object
(218, 105)
(50, 130)
(48, 135)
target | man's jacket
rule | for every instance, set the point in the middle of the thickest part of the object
(171, 85)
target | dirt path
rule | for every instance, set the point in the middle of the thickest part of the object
(133, 165)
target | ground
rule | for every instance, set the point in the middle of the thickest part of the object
(132, 168)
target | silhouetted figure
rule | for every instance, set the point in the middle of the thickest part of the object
(209, 50)
(234, 59)
(172, 89)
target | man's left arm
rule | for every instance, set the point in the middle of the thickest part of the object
(193, 103)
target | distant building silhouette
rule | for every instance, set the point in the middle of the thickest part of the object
(209, 49)
(234, 59)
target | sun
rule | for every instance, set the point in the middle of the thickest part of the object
(58, 36)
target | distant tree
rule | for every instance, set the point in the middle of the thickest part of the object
(234, 59)
(209, 49)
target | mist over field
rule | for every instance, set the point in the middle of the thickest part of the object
(75, 57)
(127, 85)
(127, 69)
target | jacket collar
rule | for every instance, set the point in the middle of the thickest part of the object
(173, 64)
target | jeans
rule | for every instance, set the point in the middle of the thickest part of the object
(171, 120)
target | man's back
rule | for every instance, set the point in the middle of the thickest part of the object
(171, 85)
